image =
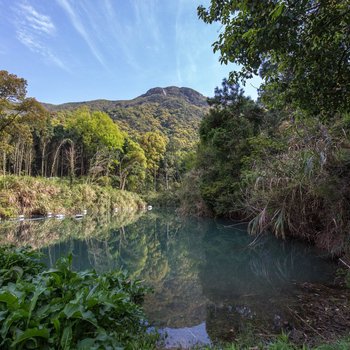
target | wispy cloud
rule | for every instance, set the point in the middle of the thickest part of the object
(33, 29)
(35, 45)
(80, 28)
(192, 46)
(117, 32)
(35, 20)
(186, 46)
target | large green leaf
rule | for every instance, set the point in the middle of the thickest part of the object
(29, 334)
(12, 317)
(66, 338)
(10, 299)
(34, 300)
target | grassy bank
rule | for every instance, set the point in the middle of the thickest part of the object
(163, 199)
(30, 196)
(282, 343)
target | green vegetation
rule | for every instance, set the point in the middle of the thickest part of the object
(162, 123)
(281, 343)
(63, 309)
(139, 145)
(300, 49)
(30, 196)
(281, 162)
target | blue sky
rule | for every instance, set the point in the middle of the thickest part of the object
(76, 50)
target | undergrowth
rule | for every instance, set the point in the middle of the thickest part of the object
(24, 195)
(302, 191)
(63, 309)
(280, 343)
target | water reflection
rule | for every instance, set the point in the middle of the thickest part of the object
(210, 279)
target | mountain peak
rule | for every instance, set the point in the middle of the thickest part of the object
(190, 95)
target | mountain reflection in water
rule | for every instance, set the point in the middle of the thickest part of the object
(211, 280)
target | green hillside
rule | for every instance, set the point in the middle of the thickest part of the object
(176, 112)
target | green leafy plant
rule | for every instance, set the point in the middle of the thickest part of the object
(63, 309)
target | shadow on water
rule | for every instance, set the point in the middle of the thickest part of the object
(211, 280)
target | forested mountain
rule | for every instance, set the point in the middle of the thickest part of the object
(174, 111)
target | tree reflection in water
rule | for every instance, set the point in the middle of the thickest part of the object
(200, 270)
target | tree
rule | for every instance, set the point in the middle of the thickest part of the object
(96, 129)
(154, 145)
(99, 137)
(19, 117)
(300, 48)
(13, 101)
(12, 88)
(225, 135)
(132, 164)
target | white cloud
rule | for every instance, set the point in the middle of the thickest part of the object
(147, 23)
(35, 20)
(122, 34)
(188, 45)
(33, 29)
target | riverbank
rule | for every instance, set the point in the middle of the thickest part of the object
(318, 320)
(36, 196)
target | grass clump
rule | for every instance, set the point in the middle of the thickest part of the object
(63, 309)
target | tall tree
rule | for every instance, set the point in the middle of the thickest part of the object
(224, 143)
(154, 145)
(300, 48)
(19, 116)
(13, 101)
(132, 164)
(99, 137)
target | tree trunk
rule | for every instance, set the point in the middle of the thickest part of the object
(4, 163)
(155, 180)
(166, 176)
(43, 159)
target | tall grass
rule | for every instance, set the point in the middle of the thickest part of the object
(38, 196)
(303, 191)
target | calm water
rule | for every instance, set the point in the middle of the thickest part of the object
(211, 280)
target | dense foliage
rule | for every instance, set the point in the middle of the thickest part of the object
(170, 116)
(139, 145)
(225, 133)
(282, 162)
(300, 48)
(63, 309)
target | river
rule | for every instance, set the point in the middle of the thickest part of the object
(211, 280)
